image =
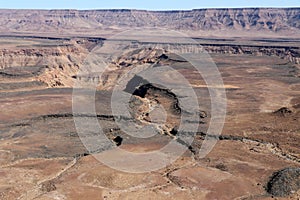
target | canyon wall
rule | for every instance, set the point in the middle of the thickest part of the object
(281, 21)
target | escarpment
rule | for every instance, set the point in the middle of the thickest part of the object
(283, 21)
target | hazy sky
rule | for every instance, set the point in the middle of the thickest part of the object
(145, 4)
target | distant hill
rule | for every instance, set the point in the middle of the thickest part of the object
(230, 22)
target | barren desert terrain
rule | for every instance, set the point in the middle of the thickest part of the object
(43, 156)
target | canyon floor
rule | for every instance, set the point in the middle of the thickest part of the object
(42, 156)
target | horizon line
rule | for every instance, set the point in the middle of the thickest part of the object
(158, 10)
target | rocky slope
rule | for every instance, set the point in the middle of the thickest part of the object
(283, 22)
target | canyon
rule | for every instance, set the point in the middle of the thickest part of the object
(43, 59)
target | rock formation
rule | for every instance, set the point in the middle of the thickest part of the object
(267, 20)
(284, 182)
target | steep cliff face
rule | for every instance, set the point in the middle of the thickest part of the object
(276, 20)
(59, 63)
(37, 56)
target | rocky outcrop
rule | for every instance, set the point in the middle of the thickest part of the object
(284, 182)
(285, 20)
(284, 111)
(140, 56)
